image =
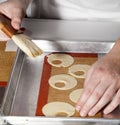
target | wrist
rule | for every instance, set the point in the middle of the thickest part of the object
(114, 53)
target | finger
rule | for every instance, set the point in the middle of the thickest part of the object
(114, 103)
(88, 76)
(17, 17)
(94, 73)
(88, 90)
(94, 98)
(84, 97)
(107, 96)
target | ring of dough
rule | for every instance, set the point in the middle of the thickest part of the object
(62, 82)
(75, 95)
(78, 70)
(60, 60)
(58, 109)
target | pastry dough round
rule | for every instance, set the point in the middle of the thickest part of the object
(58, 109)
(67, 81)
(78, 70)
(75, 95)
(60, 60)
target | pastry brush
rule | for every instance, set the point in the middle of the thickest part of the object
(24, 42)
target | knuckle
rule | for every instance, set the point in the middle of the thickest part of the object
(100, 70)
(117, 101)
(89, 91)
(97, 95)
(108, 96)
(113, 106)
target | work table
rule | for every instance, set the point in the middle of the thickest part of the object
(6, 61)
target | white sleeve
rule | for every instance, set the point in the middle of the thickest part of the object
(33, 9)
(106, 10)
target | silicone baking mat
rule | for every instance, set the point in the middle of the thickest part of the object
(6, 61)
(48, 94)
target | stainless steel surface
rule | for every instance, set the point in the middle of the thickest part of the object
(74, 46)
(12, 87)
(55, 121)
(20, 100)
(72, 30)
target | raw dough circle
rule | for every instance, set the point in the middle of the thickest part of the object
(78, 70)
(60, 60)
(75, 95)
(58, 109)
(62, 81)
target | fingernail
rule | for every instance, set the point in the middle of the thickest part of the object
(78, 108)
(91, 113)
(105, 112)
(83, 113)
(16, 25)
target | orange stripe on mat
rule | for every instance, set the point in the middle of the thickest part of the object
(3, 84)
(81, 54)
(44, 87)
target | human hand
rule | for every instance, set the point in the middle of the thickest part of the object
(102, 85)
(15, 10)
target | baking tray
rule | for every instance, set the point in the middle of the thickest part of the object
(20, 100)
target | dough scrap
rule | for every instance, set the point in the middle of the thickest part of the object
(75, 95)
(68, 81)
(57, 108)
(60, 60)
(78, 70)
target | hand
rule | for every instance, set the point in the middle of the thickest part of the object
(102, 85)
(15, 10)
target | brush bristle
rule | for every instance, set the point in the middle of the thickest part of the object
(26, 45)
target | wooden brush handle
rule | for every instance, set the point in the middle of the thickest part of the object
(6, 27)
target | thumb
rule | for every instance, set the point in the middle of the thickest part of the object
(16, 18)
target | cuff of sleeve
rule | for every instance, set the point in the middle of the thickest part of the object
(33, 9)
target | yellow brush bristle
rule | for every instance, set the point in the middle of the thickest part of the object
(26, 45)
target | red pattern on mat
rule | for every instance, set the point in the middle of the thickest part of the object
(3, 84)
(44, 86)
